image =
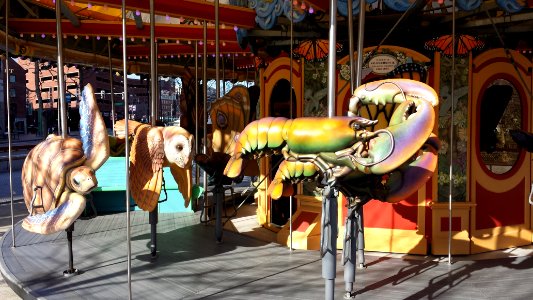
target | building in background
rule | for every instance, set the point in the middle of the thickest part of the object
(16, 96)
(169, 100)
(39, 84)
(42, 93)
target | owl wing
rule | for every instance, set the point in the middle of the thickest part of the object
(120, 127)
(146, 167)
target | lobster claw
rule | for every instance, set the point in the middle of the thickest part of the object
(410, 126)
(390, 91)
(412, 175)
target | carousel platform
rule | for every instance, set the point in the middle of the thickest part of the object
(191, 265)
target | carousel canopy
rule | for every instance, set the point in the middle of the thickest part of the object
(249, 29)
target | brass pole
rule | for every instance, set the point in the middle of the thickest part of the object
(127, 146)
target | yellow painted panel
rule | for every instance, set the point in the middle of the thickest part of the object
(395, 240)
(500, 238)
(460, 239)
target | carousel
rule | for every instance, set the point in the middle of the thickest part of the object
(304, 142)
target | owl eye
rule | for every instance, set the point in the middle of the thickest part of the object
(179, 147)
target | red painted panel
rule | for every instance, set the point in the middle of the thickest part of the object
(456, 223)
(114, 29)
(273, 73)
(401, 215)
(173, 48)
(499, 209)
(304, 219)
(477, 69)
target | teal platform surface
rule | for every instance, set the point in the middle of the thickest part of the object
(110, 194)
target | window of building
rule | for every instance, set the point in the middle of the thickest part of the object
(12, 93)
(12, 78)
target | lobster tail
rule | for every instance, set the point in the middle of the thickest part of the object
(259, 137)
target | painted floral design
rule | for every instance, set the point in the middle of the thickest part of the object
(458, 147)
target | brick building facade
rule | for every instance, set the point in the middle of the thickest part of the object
(17, 97)
(41, 92)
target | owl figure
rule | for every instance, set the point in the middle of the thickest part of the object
(153, 148)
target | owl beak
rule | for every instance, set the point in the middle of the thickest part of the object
(183, 177)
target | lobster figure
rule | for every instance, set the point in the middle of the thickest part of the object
(387, 164)
(344, 154)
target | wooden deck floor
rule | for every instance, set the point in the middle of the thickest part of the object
(191, 265)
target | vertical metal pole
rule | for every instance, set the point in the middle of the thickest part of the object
(290, 112)
(328, 244)
(62, 111)
(196, 131)
(350, 41)
(204, 112)
(360, 40)
(360, 234)
(153, 68)
(332, 58)
(359, 77)
(290, 223)
(112, 93)
(196, 100)
(223, 75)
(218, 197)
(10, 159)
(330, 193)
(451, 139)
(71, 271)
(127, 145)
(154, 99)
(62, 107)
(218, 192)
(350, 247)
(58, 112)
(217, 52)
